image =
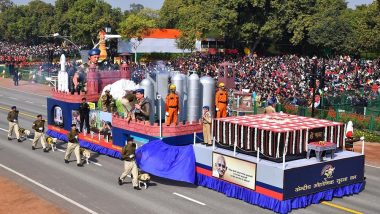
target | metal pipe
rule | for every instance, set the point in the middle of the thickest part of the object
(159, 113)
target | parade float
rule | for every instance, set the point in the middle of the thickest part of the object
(265, 160)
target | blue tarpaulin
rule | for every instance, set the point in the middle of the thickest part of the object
(163, 160)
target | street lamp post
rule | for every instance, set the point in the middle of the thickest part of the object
(56, 35)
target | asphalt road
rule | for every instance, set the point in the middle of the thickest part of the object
(94, 187)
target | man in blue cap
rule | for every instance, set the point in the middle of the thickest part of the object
(13, 124)
(93, 56)
(206, 121)
(142, 106)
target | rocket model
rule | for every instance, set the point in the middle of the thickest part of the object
(63, 77)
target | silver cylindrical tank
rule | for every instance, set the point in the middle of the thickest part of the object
(185, 94)
(208, 93)
(148, 87)
(179, 81)
(193, 98)
(162, 80)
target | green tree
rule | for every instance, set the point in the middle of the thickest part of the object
(186, 40)
(138, 26)
(5, 4)
(85, 18)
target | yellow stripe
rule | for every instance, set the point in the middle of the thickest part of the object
(341, 208)
(8, 109)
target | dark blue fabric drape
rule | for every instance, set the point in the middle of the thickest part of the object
(163, 160)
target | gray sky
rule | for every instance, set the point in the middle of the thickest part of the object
(156, 4)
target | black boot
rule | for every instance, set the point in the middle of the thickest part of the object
(66, 161)
(33, 148)
(119, 181)
(137, 188)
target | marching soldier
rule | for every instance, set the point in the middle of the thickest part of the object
(221, 99)
(84, 111)
(13, 124)
(73, 145)
(142, 106)
(128, 155)
(39, 128)
(206, 121)
(106, 101)
(172, 106)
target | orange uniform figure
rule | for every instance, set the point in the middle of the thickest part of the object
(172, 106)
(221, 99)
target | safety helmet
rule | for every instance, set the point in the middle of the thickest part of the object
(172, 87)
(221, 84)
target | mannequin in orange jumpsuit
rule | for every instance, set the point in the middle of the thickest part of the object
(172, 106)
(221, 99)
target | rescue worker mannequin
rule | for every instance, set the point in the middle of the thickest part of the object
(128, 103)
(106, 101)
(142, 106)
(172, 106)
(221, 99)
(206, 121)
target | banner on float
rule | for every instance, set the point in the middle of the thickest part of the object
(322, 176)
(233, 170)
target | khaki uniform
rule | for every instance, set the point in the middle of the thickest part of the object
(39, 127)
(221, 99)
(269, 109)
(206, 120)
(13, 124)
(73, 145)
(144, 113)
(128, 155)
(172, 108)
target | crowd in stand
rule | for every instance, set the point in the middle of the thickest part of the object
(18, 52)
(289, 78)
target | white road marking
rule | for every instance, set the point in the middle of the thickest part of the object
(49, 190)
(3, 130)
(61, 150)
(27, 101)
(372, 166)
(190, 199)
(43, 105)
(98, 164)
(24, 92)
(13, 98)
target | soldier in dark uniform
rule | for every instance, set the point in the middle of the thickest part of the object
(84, 111)
(39, 127)
(13, 124)
(128, 155)
(73, 145)
(142, 109)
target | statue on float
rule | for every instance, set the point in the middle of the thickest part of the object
(63, 77)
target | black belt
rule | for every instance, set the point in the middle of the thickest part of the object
(222, 102)
(173, 106)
